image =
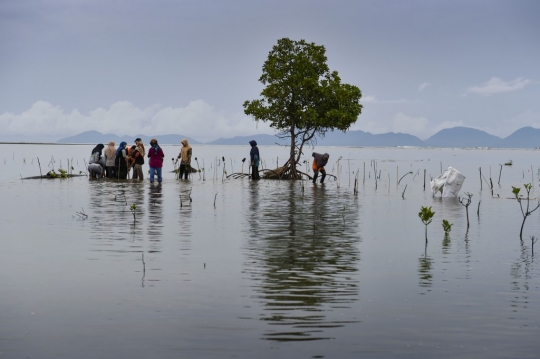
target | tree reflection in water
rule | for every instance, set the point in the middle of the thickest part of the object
(522, 272)
(425, 271)
(111, 218)
(303, 258)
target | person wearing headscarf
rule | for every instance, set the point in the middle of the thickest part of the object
(255, 160)
(121, 161)
(110, 156)
(95, 157)
(138, 159)
(185, 159)
(156, 155)
(319, 161)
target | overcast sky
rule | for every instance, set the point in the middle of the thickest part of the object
(186, 67)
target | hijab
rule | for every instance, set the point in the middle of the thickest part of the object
(110, 150)
(185, 149)
(98, 148)
(120, 148)
(155, 146)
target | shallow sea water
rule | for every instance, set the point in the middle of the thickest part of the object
(274, 268)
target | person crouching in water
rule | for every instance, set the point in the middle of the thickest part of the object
(255, 160)
(185, 159)
(95, 171)
(319, 162)
(156, 156)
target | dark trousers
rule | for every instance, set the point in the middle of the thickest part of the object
(316, 174)
(255, 173)
(184, 171)
(111, 172)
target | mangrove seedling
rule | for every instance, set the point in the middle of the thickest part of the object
(426, 216)
(133, 208)
(447, 226)
(527, 211)
(466, 202)
(198, 168)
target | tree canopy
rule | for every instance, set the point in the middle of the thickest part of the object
(302, 98)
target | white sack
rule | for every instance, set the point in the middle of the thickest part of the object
(449, 183)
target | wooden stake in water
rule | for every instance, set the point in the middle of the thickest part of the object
(490, 181)
(480, 169)
(40, 174)
(500, 172)
(349, 165)
(203, 171)
(424, 179)
(478, 210)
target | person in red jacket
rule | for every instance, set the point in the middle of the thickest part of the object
(156, 156)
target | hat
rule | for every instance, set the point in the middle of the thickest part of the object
(138, 139)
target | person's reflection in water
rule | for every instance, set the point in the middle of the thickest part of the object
(112, 221)
(155, 217)
(303, 259)
(254, 218)
(185, 214)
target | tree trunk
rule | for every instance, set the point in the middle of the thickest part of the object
(292, 157)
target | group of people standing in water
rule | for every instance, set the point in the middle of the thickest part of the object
(119, 162)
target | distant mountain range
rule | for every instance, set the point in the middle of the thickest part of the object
(98, 137)
(526, 137)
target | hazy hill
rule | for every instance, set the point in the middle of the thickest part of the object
(463, 137)
(97, 137)
(244, 140)
(526, 137)
(361, 138)
(337, 138)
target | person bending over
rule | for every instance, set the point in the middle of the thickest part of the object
(319, 161)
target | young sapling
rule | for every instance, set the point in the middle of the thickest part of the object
(447, 226)
(527, 212)
(426, 216)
